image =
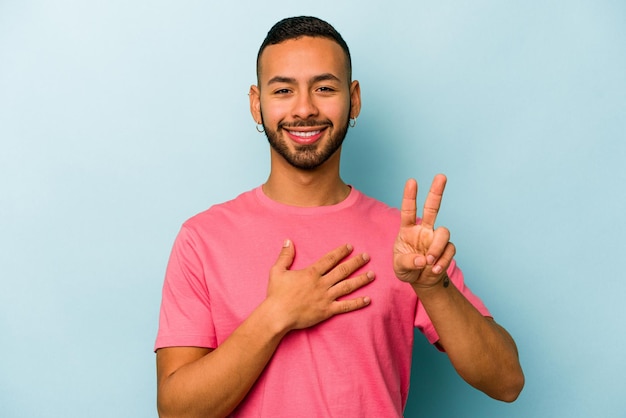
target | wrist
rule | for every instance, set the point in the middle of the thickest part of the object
(276, 323)
(444, 281)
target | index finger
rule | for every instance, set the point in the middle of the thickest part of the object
(332, 259)
(408, 208)
(433, 201)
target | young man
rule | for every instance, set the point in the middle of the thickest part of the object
(299, 298)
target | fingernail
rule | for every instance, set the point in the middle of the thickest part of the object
(367, 300)
(370, 275)
(437, 269)
(430, 259)
(419, 262)
(349, 247)
(366, 256)
(286, 243)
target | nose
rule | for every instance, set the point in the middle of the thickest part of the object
(304, 105)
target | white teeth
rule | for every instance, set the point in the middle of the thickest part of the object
(304, 134)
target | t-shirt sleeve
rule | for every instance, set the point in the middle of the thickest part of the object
(422, 321)
(185, 319)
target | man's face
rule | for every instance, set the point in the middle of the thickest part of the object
(304, 99)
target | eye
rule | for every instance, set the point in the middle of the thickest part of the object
(281, 91)
(326, 89)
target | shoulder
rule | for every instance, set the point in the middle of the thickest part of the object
(222, 212)
(375, 207)
(376, 217)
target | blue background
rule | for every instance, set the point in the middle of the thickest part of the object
(120, 119)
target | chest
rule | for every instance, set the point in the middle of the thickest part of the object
(238, 272)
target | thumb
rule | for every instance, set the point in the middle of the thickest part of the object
(407, 267)
(286, 256)
(409, 262)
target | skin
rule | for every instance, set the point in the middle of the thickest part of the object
(301, 81)
(481, 351)
(303, 88)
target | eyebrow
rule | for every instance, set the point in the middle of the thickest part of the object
(316, 79)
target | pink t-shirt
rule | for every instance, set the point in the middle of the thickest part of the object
(352, 365)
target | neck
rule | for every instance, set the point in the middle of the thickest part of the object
(320, 187)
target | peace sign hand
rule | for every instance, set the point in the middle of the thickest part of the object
(421, 253)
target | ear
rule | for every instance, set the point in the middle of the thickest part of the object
(355, 99)
(255, 103)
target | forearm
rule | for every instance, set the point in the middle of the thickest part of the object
(214, 384)
(481, 351)
(193, 382)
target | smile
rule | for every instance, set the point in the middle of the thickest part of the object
(305, 137)
(304, 134)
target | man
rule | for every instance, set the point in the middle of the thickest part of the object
(299, 298)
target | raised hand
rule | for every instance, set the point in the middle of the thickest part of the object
(421, 253)
(303, 298)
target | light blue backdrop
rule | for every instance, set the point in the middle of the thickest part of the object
(120, 119)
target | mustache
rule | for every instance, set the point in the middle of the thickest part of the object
(305, 124)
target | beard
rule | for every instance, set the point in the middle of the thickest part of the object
(307, 157)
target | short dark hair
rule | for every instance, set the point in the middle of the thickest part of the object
(297, 27)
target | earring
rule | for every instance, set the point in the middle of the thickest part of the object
(261, 129)
(352, 122)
